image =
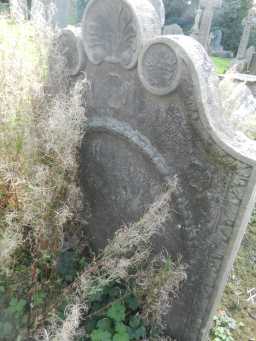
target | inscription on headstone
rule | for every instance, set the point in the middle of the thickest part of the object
(153, 114)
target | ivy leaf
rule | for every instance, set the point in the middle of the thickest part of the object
(101, 335)
(116, 312)
(135, 321)
(140, 333)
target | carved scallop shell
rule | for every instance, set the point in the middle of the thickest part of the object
(110, 31)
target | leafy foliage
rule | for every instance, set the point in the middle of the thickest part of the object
(229, 20)
(223, 327)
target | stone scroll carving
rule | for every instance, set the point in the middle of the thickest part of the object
(150, 122)
(69, 45)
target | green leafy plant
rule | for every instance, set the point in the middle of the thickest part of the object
(118, 320)
(223, 328)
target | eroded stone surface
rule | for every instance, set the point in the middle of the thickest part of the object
(149, 123)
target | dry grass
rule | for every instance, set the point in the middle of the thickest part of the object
(39, 138)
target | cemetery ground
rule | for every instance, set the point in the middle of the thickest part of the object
(40, 136)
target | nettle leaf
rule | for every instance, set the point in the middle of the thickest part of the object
(135, 321)
(105, 324)
(121, 337)
(132, 302)
(137, 334)
(116, 312)
(120, 328)
(101, 335)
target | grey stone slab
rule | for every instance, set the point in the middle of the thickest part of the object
(154, 113)
(173, 29)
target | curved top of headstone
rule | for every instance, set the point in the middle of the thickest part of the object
(159, 6)
(185, 50)
(114, 31)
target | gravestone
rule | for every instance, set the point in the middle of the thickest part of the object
(196, 27)
(249, 22)
(206, 20)
(252, 68)
(249, 57)
(216, 41)
(173, 29)
(154, 113)
(216, 49)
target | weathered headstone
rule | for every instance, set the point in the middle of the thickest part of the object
(216, 41)
(196, 27)
(173, 29)
(249, 22)
(216, 49)
(153, 114)
(252, 68)
(206, 19)
(249, 56)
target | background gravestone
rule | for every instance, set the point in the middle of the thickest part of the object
(154, 114)
(173, 29)
(206, 20)
(248, 23)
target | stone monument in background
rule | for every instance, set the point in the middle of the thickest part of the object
(248, 23)
(173, 29)
(216, 48)
(208, 7)
(154, 114)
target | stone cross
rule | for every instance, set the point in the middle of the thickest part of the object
(249, 22)
(154, 114)
(206, 20)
